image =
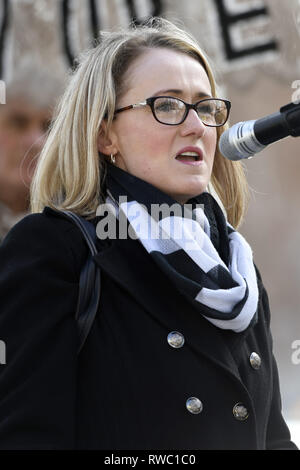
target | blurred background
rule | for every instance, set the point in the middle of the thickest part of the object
(255, 48)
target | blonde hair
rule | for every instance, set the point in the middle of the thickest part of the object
(70, 174)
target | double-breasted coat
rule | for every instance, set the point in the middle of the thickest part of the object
(136, 384)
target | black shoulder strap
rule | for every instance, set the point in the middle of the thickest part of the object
(90, 280)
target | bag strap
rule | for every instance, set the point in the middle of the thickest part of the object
(90, 280)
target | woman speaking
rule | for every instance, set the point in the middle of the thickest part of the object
(179, 355)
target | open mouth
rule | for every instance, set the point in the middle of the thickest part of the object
(188, 157)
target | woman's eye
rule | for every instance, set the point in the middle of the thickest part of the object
(167, 106)
(205, 110)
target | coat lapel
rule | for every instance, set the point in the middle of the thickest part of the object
(129, 265)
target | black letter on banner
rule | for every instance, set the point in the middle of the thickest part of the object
(226, 20)
(4, 24)
(94, 21)
(65, 29)
(157, 10)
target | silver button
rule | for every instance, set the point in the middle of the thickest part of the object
(175, 339)
(240, 412)
(255, 360)
(194, 405)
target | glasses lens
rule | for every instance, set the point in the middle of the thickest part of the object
(169, 110)
(213, 112)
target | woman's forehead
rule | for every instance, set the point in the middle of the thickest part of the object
(167, 69)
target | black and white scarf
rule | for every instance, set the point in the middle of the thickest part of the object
(208, 261)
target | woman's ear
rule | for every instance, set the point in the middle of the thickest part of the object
(106, 140)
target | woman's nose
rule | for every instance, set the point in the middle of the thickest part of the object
(193, 124)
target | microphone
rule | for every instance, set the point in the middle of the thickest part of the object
(245, 139)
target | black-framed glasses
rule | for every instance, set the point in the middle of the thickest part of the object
(171, 111)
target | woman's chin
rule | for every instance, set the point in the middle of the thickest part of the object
(193, 190)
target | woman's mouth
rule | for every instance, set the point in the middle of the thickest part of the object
(190, 157)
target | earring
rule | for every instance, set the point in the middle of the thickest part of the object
(112, 158)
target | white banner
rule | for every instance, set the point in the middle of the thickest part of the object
(236, 34)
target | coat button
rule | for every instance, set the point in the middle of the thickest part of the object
(175, 339)
(194, 405)
(255, 360)
(240, 412)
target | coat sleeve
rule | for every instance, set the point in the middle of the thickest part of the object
(278, 435)
(38, 296)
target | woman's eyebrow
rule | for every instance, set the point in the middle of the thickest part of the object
(199, 94)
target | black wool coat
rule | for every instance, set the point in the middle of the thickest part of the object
(129, 387)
